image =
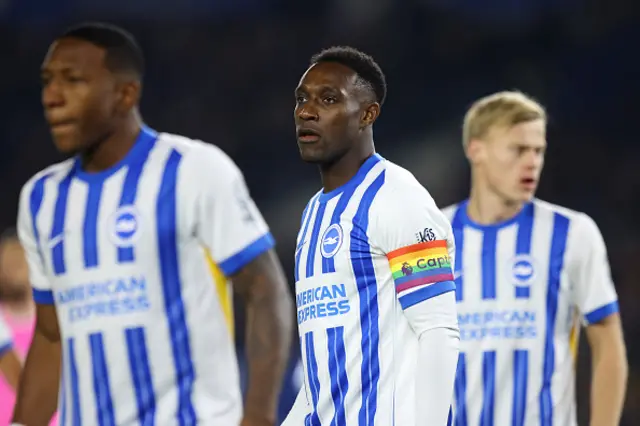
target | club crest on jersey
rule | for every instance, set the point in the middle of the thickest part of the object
(331, 240)
(523, 270)
(125, 226)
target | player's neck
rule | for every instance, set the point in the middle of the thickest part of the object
(113, 148)
(485, 207)
(338, 173)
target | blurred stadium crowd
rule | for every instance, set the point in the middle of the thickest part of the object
(225, 73)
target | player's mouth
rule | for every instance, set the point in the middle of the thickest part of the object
(308, 135)
(529, 183)
(62, 125)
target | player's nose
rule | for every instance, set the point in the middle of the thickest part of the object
(52, 96)
(307, 112)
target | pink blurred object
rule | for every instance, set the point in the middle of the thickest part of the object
(22, 334)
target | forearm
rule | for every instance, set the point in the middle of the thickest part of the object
(269, 330)
(298, 411)
(38, 387)
(435, 376)
(609, 380)
(10, 367)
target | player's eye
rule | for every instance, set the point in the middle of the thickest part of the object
(300, 99)
(330, 100)
(74, 79)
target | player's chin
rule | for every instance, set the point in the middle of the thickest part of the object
(66, 144)
(312, 154)
(526, 195)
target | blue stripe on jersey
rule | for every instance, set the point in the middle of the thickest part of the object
(314, 380)
(602, 312)
(450, 417)
(56, 239)
(426, 293)
(365, 275)
(458, 236)
(76, 414)
(328, 263)
(520, 374)
(489, 385)
(313, 243)
(461, 391)
(304, 224)
(338, 372)
(141, 375)
(489, 239)
(523, 244)
(35, 202)
(556, 261)
(172, 288)
(62, 400)
(101, 387)
(90, 230)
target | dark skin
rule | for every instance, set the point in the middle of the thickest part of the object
(334, 116)
(93, 112)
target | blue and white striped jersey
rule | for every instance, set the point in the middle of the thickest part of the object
(135, 259)
(524, 287)
(6, 337)
(359, 321)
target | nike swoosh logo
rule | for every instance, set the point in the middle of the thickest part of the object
(55, 241)
(299, 248)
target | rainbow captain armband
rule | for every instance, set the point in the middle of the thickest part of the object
(421, 271)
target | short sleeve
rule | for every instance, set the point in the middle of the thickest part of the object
(590, 275)
(418, 243)
(6, 339)
(229, 224)
(30, 201)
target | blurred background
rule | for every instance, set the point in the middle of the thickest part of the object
(224, 71)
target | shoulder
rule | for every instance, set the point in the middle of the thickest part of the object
(401, 189)
(204, 166)
(450, 210)
(406, 206)
(572, 220)
(35, 185)
(197, 153)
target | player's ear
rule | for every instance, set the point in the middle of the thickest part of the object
(370, 115)
(129, 95)
(474, 150)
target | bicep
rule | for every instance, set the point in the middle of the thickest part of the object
(261, 277)
(606, 333)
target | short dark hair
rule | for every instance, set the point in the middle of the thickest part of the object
(364, 66)
(123, 54)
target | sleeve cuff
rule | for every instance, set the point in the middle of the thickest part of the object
(236, 262)
(5, 347)
(426, 293)
(602, 312)
(43, 297)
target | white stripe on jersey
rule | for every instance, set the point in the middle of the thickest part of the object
(125, 255)
(520, 286)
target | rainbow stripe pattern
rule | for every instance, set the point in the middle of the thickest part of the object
(423, 268)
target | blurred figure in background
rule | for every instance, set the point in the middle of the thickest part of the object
(17, 319)
(528, 275)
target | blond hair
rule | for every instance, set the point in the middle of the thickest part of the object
(506, 108)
